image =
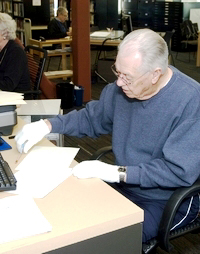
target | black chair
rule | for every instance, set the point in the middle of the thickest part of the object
(36, 61)
(189, 36)
(165, 235)
(168, 38)
(105, 53)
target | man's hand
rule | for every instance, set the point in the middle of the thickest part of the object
(97, 169)
(69, 33)
(31, 134)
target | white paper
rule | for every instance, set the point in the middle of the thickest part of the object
(11, 98)
(99, 34)
(43, 169)
(36, 2)
(21, 218)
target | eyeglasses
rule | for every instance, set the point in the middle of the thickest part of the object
(121, 76)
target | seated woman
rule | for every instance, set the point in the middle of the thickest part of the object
(14, 73)
(57, 27)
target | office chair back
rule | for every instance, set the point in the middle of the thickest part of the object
(189, 31)
(36, 61)
(189, 36)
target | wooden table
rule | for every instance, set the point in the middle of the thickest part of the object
(115, 40)
(68, 40)
(98, 41)
(63, 42)
(87, 217)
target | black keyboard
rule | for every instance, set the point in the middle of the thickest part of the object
(7, 178)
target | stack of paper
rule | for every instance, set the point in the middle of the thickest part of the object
(11, 98)
(20, 218)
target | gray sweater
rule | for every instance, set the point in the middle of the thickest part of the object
(157, 139)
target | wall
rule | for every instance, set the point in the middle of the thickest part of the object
(186, 9)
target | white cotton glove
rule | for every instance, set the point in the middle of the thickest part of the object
(97, 169)
(31, 134)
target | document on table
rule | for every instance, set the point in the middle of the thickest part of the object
(11, 98)
(43, 169)
(20, 218)
(99, 34)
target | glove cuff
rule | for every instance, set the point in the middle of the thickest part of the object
(44, 127)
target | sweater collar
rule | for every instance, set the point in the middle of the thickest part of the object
(164, 89)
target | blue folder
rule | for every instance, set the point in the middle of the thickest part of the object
(4, 145)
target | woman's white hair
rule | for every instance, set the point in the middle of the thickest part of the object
(7, 26)
(150, 45)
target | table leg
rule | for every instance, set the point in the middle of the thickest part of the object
(64, 60)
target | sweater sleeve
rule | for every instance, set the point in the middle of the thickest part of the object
(14, 63)
(92, 121)
(179, 165)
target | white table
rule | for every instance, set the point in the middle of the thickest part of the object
(35, 110)
(87, 216)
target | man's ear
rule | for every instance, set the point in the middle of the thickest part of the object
(156, 75)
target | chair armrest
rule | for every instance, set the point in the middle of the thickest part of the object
(170, 211)
(101, 152)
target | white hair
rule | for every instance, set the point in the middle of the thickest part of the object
(61, 10)
(150, 45)
(7, 26)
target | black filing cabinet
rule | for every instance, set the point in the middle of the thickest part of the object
(145, 13)
(159, 16)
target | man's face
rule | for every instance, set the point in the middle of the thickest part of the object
(63, 17)
(134, 82)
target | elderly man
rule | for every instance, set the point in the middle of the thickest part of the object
(57, 27)
(153, 113)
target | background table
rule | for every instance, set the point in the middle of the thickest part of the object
(63, 42)
(116, 38)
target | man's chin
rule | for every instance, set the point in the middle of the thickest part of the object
(129, 94)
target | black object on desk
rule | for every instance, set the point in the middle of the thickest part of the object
(8, 119)
(7, 178)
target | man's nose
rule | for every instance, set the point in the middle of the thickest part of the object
(120, 82)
